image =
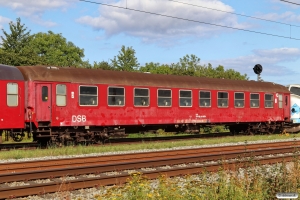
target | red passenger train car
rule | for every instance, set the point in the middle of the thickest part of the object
(76, 104)
(11, 101)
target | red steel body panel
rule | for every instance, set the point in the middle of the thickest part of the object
(103, 115)
(43, 102)
(11, 117)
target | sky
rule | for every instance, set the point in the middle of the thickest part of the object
(235, 34)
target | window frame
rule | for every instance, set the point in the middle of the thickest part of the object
(220, 106)
(164, 97)
(45, 98)
(12, 94)
(191, 98)
(235, 104)
(57, 94)
(258, 100)
(134, 96)
(204, 106)
(280, 102)
(272, 101)
(97, 96)
(292, 89)
(124, 96)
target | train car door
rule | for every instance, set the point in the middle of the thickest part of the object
(2, 99)
(43, 102)
(286, 106)
(12, 115)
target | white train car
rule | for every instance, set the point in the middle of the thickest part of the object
(295, 102)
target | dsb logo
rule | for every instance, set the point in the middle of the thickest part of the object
(78, 118)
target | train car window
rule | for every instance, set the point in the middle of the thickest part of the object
(116, 96)
(141, 97)
(44, 93)
(88, 95)
(254, 100)
(295, 90)
(269, 100)
(280, 101)
(61, 95)
(12, 94)
(222, 99)
(164, 98)
(286, 100)
(185, 98)
(204, 99)
(239, 100)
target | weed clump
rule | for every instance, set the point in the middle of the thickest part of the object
(258, 182)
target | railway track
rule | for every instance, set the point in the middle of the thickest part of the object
(167, 138)
(113, 169)
(23, 145)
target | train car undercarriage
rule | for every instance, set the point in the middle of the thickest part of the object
(60, 136)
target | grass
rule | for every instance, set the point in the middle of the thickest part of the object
(78, 150)
(155, 135)
(10, 140)
(259, 182)
(241, 184)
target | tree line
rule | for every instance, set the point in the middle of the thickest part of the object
(20, 47)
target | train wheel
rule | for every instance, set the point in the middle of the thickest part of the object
(44, 142)
(17, 137)
(249, 132)
(271, 131)
(232, 131)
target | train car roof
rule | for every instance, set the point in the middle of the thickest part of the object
(296, 84)
(10, 73)
(98, 76)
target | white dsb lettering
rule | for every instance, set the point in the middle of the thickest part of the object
(78, 118)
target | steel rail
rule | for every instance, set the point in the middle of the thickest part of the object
(97, 168)
(57, 185)
(18, 167)
(21, 145)
(166, 138)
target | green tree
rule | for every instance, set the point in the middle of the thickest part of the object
(102, 65)
(149, 67)
(19, 47)
(220, 72)
(188, 65)
(126, 60)
(232, 74)
(17, 39)
(54, 49)
(15, 49)
(156, 68)
(17, 59)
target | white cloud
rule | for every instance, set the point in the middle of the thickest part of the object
(153, 28)
(272, 61)
(3, 20)
(286, 16)
(34, 9)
